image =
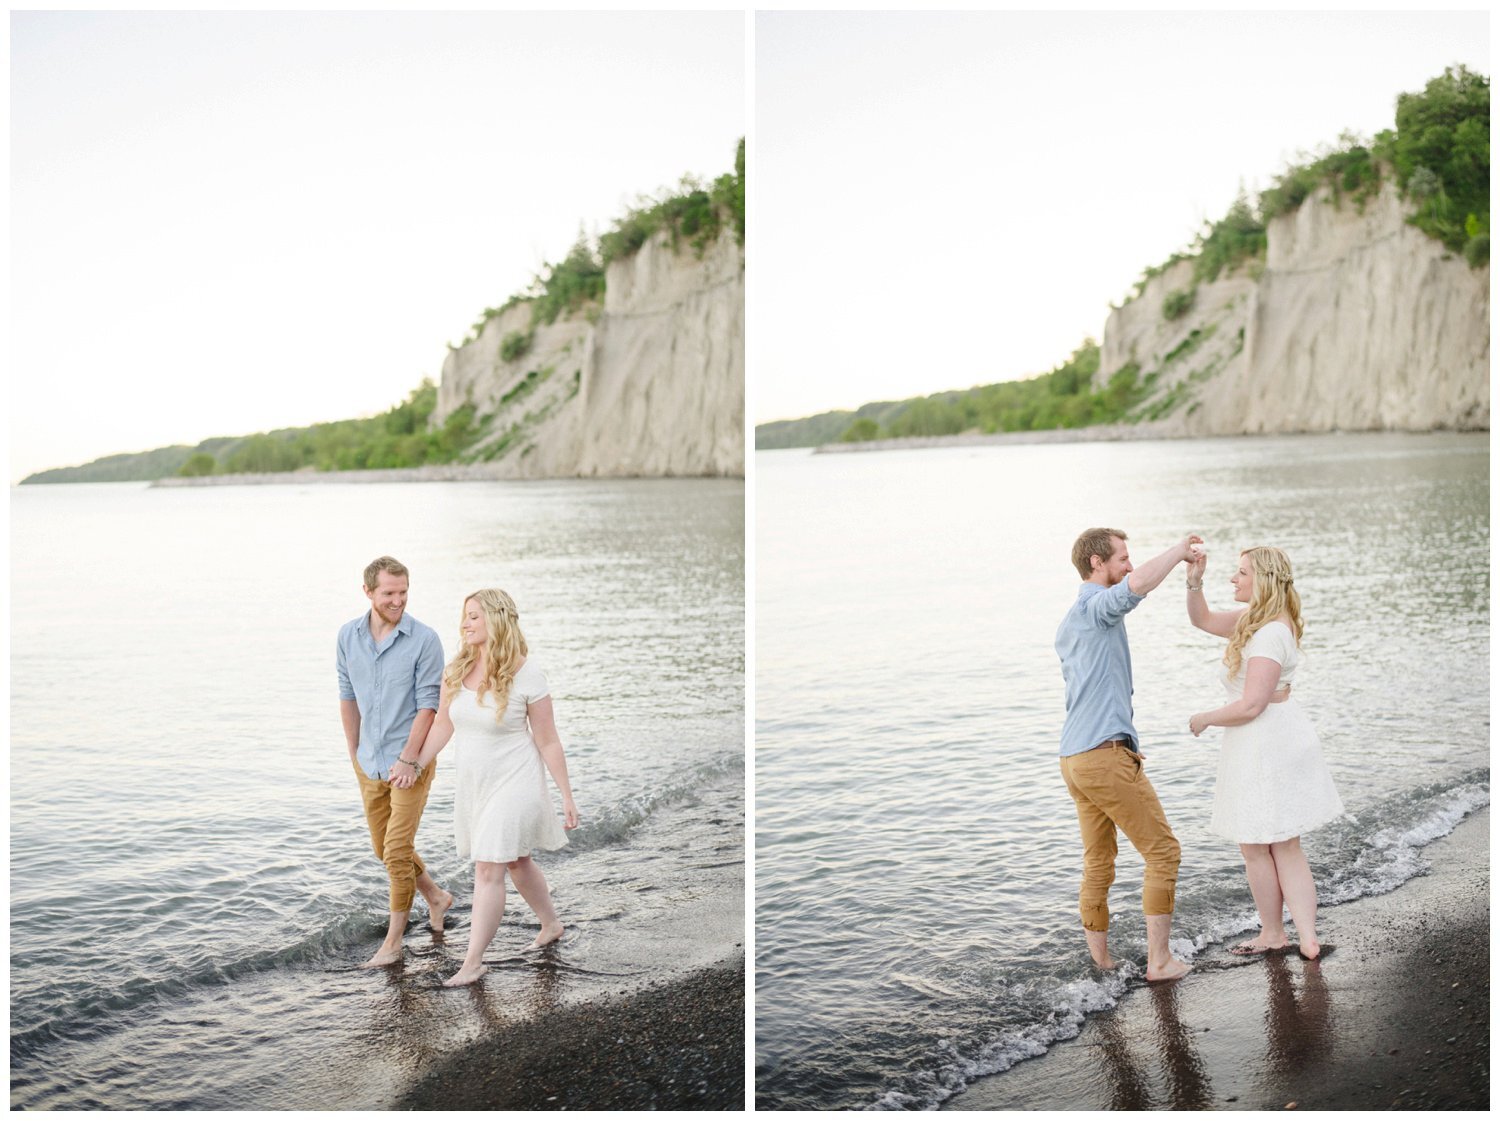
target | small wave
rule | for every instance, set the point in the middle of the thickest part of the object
(1365, 863)
(615, 823)
(96, 1013)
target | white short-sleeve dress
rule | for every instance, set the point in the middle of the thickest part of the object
(501, 808)
(1273, 783)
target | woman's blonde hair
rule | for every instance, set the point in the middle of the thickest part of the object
(504, 648)
(1271, 596)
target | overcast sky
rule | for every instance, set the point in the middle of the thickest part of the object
(229, 222)
(944, 200)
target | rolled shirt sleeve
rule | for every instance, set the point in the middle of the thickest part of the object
(429, 671)
(1109, 607)
(346, 687)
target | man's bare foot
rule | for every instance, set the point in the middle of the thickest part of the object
(1260, 946)
(437, 911)
(551, 932)
(383, 956)
(1169, 972)
(465, 977)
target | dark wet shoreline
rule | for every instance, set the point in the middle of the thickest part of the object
(1397, 1017)
(674, 1044)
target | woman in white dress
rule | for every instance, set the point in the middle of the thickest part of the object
(1273, 785)
(496, 707)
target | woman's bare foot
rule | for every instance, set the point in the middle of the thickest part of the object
(465, 977)
(1259, 946)
(1310, 948)
(551, 932)
(437, 911)
(383, 956)
(1169, 972)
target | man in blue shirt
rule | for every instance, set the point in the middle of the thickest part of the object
(390, 677)
(1100, 753)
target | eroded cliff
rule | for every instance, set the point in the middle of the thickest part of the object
(650, 383)
(1355, 321)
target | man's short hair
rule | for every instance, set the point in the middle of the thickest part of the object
(383, 564)
(1094, 543)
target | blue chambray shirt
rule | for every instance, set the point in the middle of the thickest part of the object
(391, 682)
(1096, 668)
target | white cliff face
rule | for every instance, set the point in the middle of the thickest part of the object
(652, 383)
(1357, 321)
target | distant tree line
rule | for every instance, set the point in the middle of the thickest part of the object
(398, 437)
(1062, 398)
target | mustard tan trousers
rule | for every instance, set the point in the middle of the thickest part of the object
(393, 816)
(1112, 791)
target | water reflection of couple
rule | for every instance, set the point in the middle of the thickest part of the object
(1272, 783)
(400, 707)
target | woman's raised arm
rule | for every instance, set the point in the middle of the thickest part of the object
(1220, 623)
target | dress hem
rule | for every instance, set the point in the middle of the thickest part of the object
(1278, 835)
(507, 859)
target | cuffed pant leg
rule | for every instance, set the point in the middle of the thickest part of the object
(1111, 781)
(1153, 838)
(402, 864)
(1099, 851)
(393, 816)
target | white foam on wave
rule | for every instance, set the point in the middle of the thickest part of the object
(1071, 1003)
(1393, 854)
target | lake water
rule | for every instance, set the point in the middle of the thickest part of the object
(191, 880)
(917, 855)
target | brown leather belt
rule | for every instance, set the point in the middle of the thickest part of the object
(1113, 743)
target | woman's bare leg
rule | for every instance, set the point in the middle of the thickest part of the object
(1296, 881)
(527, 875)
(488, 910)
(1260, 869)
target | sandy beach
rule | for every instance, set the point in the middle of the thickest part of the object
(1397, 1017)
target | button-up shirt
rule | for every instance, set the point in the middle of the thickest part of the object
(1096, 668)
(390, 680)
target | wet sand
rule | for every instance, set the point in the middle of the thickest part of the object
(677, 1044)
(1396, 1017)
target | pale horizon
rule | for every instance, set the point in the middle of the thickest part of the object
(226, 223)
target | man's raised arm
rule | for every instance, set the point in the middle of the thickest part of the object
(1148, 575)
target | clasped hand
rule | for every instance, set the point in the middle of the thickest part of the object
(403, 775)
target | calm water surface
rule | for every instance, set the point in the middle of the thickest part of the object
(191, 880)
(917, 857)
